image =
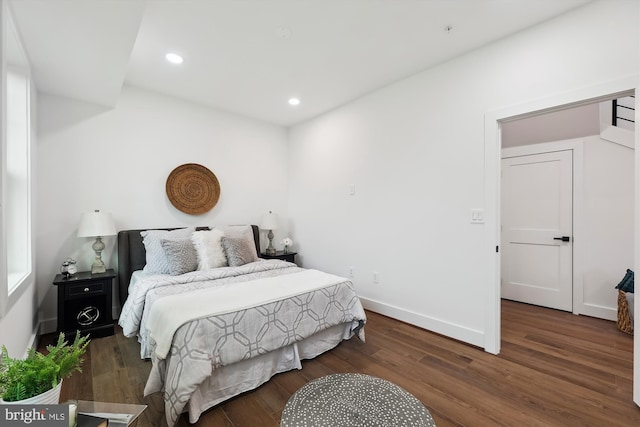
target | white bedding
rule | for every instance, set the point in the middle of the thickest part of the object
(169, 313)
(255, 334)
(228, 381)
(145, 289)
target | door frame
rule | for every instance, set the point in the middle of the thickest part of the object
(577, 152)
(492, 148)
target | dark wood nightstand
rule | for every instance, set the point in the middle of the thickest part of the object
(84, 303)
(289, 256)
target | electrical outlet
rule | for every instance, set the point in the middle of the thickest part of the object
(351, 274)
(376, 277)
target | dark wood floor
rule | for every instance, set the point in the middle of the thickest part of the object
(555, 369)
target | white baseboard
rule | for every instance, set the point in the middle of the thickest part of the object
(48, 326)
(599, 311)
(451, 330)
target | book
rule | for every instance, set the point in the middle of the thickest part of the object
(91, 421)
(114, 418)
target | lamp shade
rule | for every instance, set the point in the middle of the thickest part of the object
(269, 221)
(94, 224)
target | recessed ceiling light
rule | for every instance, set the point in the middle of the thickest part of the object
(294, 101)
(174, 58)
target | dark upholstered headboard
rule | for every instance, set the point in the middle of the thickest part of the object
(132, 255)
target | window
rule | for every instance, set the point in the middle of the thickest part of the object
(17, 188)
(16, 266)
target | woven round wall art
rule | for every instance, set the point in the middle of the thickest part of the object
(193, 189)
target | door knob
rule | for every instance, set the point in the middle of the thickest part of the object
(563, 238)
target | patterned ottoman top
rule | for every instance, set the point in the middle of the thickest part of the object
(351, 400)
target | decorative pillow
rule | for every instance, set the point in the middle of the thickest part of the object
(181, 256)
(626, 284)
(156, 259)
(243, 232)
(208, 246)
(238, 251)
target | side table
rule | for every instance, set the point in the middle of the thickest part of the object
(84, 303)
(289, 256)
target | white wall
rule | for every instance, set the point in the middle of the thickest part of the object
(609, 220)
(118, 161)
(416, 154)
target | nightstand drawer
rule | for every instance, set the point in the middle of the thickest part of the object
(85, 289)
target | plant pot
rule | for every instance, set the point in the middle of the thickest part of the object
(49, 397)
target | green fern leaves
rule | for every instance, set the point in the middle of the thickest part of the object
(24, 378)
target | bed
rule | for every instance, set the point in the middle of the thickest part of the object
(217, 331)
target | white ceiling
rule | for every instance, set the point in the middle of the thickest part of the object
(235, 58)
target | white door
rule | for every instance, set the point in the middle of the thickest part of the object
(537, 241)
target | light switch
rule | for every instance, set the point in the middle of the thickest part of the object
(477, 216)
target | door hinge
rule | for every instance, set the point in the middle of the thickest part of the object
(497, 249)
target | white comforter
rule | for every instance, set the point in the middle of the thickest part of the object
(149, 289)
(168, 314)
(172, 312)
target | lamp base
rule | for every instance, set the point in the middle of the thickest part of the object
(98, 268)
(98, 265)
(270, 249)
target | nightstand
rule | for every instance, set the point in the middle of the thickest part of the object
(84, 303)
(289, 256)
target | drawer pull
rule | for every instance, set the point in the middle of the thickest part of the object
(86, 289)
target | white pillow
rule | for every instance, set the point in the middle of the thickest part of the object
(157, 262)
(243, 232)
(208, 246)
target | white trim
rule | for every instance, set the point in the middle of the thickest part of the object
(492, 138)
(492, 145)
(451, 330)
(48, 326)
(636, 258)
(599, 311)
(619, 136)
(576, 146)
(544, 147)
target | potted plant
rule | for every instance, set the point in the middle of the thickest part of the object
(40, 373)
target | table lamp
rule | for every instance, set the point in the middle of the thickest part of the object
(270, 222)
(97, 224)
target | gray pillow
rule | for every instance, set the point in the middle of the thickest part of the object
(239, 251)
(242, 232)
(181, 256)
(156, 259)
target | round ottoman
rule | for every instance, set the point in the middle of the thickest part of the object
(351, 400)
